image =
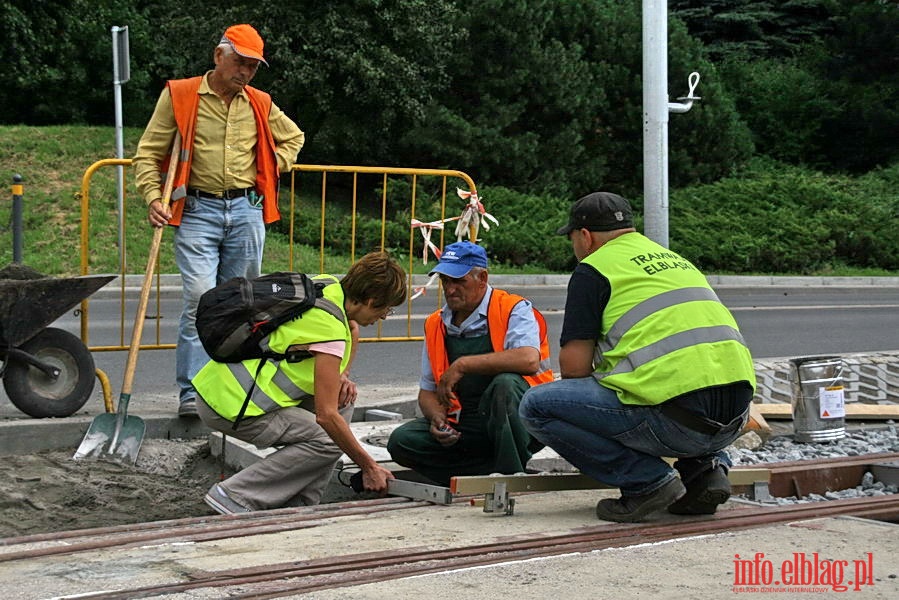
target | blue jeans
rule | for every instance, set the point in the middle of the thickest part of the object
(218, 239)
(617, 444)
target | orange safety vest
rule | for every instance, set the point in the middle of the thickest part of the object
(498, 311)
(186, 101)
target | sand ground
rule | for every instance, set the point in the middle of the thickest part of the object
(48, 491)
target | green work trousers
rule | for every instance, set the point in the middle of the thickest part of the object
(493, 438)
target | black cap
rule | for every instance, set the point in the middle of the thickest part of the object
(599, 211)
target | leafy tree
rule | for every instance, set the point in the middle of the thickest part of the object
(59, 57)
(755, 28)
(539, 96)
(832, 105)
(517, 104)
(785, 103)
(546, 97)
(355, 74)
(861, 63)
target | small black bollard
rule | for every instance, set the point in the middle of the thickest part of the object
(18, 191)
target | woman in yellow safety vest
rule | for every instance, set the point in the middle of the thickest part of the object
(303, 407)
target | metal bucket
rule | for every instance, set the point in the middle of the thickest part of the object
(819, 411)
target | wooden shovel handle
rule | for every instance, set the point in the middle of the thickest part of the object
(138, 330)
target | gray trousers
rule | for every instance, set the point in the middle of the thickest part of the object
(297, 473)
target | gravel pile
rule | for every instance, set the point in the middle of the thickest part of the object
(783, 448)
(856, 443)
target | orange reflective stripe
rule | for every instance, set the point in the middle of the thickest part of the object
(546, 375)
(266, 160)
(185, 102)
(435, 340)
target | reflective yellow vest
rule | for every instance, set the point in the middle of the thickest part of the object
(224, 386)
(664, 331)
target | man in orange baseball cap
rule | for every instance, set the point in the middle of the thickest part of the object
(235, 143)
(246, 41)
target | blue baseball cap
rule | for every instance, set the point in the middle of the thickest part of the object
(459, 258)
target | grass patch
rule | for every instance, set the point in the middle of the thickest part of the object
(53, 161)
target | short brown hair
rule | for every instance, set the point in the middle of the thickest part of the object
(375, 277)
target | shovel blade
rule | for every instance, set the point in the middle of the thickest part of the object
(97, 441)
(97, 437)
(130, 438)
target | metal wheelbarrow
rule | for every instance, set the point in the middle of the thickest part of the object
(46, 371)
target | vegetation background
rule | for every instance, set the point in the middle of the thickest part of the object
(789, 164)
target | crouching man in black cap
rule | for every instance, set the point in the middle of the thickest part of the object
(652, 365)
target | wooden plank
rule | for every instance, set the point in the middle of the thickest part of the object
(540, 482)
(854, 410)
(552, 482)
(748, 475)
(757, 423)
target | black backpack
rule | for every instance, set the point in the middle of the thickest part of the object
(235, 318)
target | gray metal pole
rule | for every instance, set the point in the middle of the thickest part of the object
(655, 120)
(117, 71)
(17, 230)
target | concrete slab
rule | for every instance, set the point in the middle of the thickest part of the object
(372, 435)
(697, 567)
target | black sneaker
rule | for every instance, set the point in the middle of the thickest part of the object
(704, 494)
(188, 408)
(632, 509)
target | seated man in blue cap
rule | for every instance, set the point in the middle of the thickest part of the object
(482, 351)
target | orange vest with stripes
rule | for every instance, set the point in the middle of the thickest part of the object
(186, 101)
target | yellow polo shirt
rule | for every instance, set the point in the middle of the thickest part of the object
(224, 147)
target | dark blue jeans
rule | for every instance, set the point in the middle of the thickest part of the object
(218, 239)
(618, 444)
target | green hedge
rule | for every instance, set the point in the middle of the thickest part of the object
(526, 234)
(774, 218)
(768, 218)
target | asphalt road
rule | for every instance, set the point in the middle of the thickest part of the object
(776, 322)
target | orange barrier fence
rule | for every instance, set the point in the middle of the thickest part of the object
(329, 214)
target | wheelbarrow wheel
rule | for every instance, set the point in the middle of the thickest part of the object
(36, 394)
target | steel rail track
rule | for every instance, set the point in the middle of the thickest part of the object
(171, 528)
(195, 529)
(802, 477)
(280, 580)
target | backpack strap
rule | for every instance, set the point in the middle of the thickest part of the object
(246, 401)
(327, 305)
(330, 308)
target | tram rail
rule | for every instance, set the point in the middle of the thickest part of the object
(278, 580)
